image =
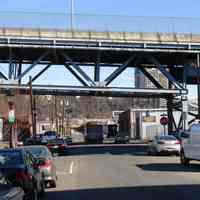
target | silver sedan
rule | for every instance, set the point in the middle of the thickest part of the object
(164, 144)
(45, 163)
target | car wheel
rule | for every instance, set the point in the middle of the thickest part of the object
(53, 184)
(184, 161)
(154, 152)
(149, 152)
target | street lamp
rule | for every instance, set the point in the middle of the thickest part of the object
(71, 14)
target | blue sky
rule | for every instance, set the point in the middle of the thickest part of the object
(171, 8)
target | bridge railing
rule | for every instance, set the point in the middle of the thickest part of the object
(80, 22)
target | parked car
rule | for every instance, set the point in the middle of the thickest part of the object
(21, 167)
(57, 146)
(37, 140)
(68, 140)
(121, 139)
(190, 146)
(8, 189)
(164, 144)
(45, 163)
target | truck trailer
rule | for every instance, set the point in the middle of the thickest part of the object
(93, 132)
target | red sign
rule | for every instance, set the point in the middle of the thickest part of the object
(164, 121)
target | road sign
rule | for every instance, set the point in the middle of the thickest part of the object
(164, 121)
(11, 116)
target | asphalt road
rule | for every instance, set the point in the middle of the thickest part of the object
(123, 173)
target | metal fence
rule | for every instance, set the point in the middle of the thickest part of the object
(116, 23)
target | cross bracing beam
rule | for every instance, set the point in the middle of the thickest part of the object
(118, 71)
(151, 78)
(190, 113)
(165, 72)
(32, 65)
(78, 69)
(91, 91)
(40, 73)
(3, 76)
(80, 79)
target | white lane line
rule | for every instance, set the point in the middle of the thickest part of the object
(71, 167)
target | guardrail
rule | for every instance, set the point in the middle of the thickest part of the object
(99, 23)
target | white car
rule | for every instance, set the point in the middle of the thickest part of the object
(190, 147)
(164, 144)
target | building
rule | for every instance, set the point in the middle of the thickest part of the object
(141, 81)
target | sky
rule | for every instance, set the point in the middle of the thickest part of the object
(169, 8)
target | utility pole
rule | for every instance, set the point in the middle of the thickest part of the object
(32, 103)
(56, 112)
(63, 113)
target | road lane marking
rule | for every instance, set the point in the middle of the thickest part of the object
(71, 167)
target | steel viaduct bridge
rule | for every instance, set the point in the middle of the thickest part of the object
(174, 54)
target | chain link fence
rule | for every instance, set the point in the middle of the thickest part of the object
(100, 23)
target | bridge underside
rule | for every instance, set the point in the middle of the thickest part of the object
(177, 61)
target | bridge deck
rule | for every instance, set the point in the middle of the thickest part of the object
(104, 36)
(83, 47)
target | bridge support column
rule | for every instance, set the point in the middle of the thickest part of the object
(184, 101)
(170, 114)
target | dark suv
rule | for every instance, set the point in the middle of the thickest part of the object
(21, 168)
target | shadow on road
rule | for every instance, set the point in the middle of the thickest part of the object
(114, 150)
(169, 167)
(175, 192)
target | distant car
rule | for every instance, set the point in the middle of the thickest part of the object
(68, 140)
(58, 146)
(20, 167)
(49, 135)
(164, 144)
(122, 139)
(8, 189)
(20, 143)
(45, 163)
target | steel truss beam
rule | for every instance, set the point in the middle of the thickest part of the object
(78, 69)
(90, 91)
(19, 77)
(118, 71)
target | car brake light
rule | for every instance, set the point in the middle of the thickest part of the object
(22, 176)
(62, 146)
(47, 163)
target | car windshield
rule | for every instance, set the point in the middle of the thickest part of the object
(38, 151)
(10, 158)
(167, 137)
